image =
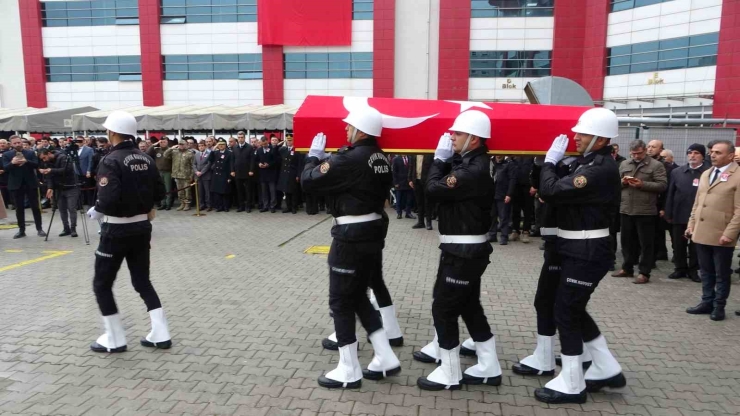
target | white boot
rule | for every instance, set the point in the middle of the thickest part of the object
(385, 362)
(488, 369)
(114, 339)
(373, 300)
(447, 376)
(542, 361)
(390, 324)
(430, 352)
(605, 371)
(159, 337)
(468, 348)
(348, 373)
(586, 356)
(568, 387)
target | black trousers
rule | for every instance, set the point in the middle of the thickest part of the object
(521, 201)
(547, 289)
(422, 202)
(254, 197)
(242, 192)
(684, 250)
(659, 247)
(377, 284)
(501, 218)
(269, 196)
(351, 269)
(291, 201)
(67, 202)
(716, 269)
(118, 242)
(220, 201)
(19, 195)
(312, 204)
(456, 294)
(404, 200)
(578, 280)
(638, 237)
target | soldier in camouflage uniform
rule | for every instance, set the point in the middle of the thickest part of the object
(182, 172)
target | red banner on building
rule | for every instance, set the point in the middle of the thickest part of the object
(304, 23)
(414, 126)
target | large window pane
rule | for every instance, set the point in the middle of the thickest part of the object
(674, 54)
(644, 57)
(641, 3)
(646, 67)
(645, 47)
(674, 43)
(669, 54)
(703, 50)
(704, 39)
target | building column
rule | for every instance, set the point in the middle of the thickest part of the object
(727, 83)
(454, 49)
(384, 47)
(151, 53)
(33, 52)
(273, 88)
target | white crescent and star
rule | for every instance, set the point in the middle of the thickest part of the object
(394, 122)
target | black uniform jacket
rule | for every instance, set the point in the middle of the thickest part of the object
(128, 182)
(222, 164)
(356, 180)
(584, 200)
(290, 163)
(464, 191)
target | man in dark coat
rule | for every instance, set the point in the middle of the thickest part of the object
(221, 161)
(266, 163)
(404, 193)
(418, 174)
(289, 182)
(680, 197)
(243, 154)
(504, 176)
(23, 183)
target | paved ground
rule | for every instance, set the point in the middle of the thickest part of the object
(248, 329)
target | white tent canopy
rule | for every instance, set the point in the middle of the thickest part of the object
(39, 120)
(194, 118)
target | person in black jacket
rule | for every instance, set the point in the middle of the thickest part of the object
(460, 181)
(62, 186)
(522, 201)
(128, 186)
(681, 193)
(221, 162)
(289, 182)
(243, 154)
(404, 193)
(23, 184)
(266, 162)
(418, 174)
(504, 177)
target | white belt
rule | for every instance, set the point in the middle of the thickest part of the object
(462, 239)
(354, 219)
(583, 234)
(125, 220)
(544, 231)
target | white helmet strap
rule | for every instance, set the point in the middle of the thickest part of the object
(354, 135)
(467, 143)
(590, 145)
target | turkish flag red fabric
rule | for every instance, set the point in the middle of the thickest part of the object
(414, 126)
(304, 23)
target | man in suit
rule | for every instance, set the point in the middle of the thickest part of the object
(714, 226)
(680, 197)
(404, 193)
(22, 183)
(289, 182)
(417, 178)
(266, 162)
(504, 176)
(202, 170)
(85, 153)
(243, 154)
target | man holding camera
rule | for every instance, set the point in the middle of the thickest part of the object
(61, 183)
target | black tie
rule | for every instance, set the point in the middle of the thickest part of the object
(714, 178)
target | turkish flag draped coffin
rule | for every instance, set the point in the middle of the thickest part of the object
(414, 126)
(304, 23)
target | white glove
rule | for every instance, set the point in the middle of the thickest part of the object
(557, 150)
(94, 214)
(317, 147)
(444, 150)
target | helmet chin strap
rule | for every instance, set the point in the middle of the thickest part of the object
(467, 142)
(590, 145)
(354, 135)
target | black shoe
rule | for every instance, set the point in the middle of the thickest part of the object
(333, 384)
(411, 216)
(585, 364)
(737, 270)
(700, 309)
(65, 233)
(737, 313)
(99, 348)
(525, 370)
(467, 352)
(162, 207)
(425, 358)
(203, 208)
(240, 210)
(164, 345)
(399, 216)
(74, 233)
(19, 234)
(429, 225)
(504, 241)
(612, 268)
(272, 210)
(425, 384)
(329, 344)
(546, 395)
(40, 233)
(677, 275)
(379, 375)
(616, 382)
(418, 225)
(491, 237)
(263, 209)
(285, 211)
(220, 210)
(249, 210)
(489, 381)
(168, 207)
(694, 276)
(718, 314)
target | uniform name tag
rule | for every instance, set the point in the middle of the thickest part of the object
(723, 177)
(696, 182)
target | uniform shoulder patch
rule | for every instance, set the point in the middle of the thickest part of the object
(103, 181)
(324, 167)
(451, 181)
(580, 181)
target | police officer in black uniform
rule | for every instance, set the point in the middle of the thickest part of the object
(355, 181)
(584, 200)
(128, 186)
(463, 188)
